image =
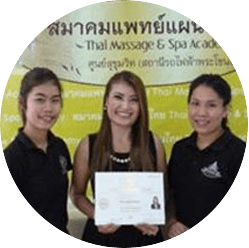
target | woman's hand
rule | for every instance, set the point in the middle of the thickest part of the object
(147, 229)
(176, 229)
(108, 228)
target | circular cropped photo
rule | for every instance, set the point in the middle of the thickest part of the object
(124, 124)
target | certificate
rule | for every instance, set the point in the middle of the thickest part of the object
(129, 198)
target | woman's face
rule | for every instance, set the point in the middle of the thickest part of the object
(42, 107)
(122, 105)
(206, 110)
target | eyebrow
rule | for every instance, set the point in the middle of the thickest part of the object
(119, 93)
(197, 99)
(43, 95)
(39, 94)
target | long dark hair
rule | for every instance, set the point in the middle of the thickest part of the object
(218, 84)
(31, 79)
(141, 157)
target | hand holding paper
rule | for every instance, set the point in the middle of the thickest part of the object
(129, 198)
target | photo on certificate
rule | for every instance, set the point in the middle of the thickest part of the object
(129, 198)
(155, 204)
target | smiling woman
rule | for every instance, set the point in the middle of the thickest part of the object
(206, 112)
(122, 105)
(43, 106)
(204, 165)
(123, 143)
(38, 161)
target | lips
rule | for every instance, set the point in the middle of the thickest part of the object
(124, 114)
(47, 118)
(201, 123)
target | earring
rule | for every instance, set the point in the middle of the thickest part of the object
(105, 108)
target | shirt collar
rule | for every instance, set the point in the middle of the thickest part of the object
(222, 141)
(191, 141)
(218, 144)
(22, 137)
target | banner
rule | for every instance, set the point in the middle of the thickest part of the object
(92, 43)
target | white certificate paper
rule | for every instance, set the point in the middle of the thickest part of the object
(129, 198)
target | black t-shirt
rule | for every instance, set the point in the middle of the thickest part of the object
(41, 177)
(199, 179)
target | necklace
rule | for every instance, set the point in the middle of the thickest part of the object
(120, 160)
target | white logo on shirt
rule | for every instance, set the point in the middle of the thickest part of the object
(211, 171)
(63, 162)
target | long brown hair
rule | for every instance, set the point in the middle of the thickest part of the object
(141, 157)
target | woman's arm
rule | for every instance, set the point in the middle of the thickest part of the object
(161, 155)
(176, 228)
(173, 226)
(18, 164)
(80, 179)
(161, 166)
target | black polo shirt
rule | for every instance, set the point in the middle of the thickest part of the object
(41, 177)
(200, 179)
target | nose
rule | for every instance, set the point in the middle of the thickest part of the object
(202, 110)
(48, 106)
(125, 104)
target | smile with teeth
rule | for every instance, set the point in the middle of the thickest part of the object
(202, 122)
(47, 118)
(124, 114)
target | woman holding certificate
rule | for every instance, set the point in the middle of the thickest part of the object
(123, 143)
(204, 165)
